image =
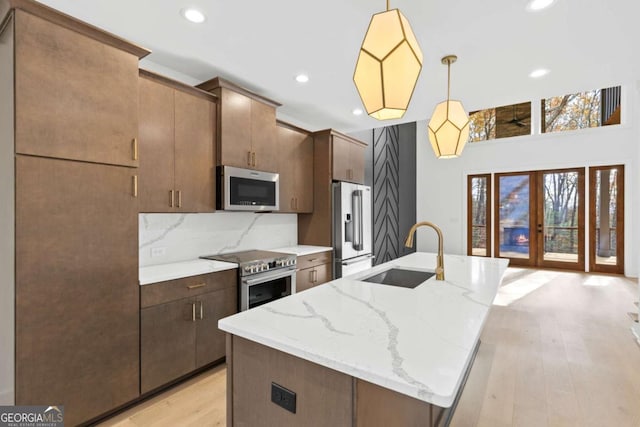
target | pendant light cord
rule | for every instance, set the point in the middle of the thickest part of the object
(387, 5)
(448, 79)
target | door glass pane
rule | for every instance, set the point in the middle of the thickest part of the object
(561, 216)
(479, 200)
(606, 214)
(514, 216)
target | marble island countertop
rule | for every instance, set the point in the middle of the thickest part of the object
(414, 341)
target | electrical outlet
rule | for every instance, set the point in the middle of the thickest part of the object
(159, 251)
(283, 397)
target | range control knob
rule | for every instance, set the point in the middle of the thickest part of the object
(247, 269)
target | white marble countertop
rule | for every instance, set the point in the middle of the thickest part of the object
(302, 250)
(414, 341)
(178, 270)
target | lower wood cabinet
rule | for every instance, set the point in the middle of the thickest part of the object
(179, 325)
(313, 270)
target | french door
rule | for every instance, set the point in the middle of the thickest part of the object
(539, 218)
(606, 219)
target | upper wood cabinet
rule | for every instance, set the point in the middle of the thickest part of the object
(348, 159)
(177, 154)
(295, 156)
(336, 157)
(246, 127)
(77, 292)
(75, 96)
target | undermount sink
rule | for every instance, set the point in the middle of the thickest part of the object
(400, 277)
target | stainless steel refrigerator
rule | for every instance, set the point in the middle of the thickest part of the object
(352, 225)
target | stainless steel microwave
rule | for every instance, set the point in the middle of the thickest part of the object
(247, 190)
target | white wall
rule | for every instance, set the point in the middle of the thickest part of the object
(7, 220)
(441, 186)
(183, 237)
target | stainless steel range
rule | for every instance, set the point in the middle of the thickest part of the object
(264, 276)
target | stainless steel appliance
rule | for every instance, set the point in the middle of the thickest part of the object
(263, 276)
(247, 190)
(351, 228)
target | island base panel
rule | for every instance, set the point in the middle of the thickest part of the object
(379, 406)
(323, 396)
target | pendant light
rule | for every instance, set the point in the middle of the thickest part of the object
(388, 65)
(449, 124)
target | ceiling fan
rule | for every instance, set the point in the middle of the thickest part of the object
(515, 120)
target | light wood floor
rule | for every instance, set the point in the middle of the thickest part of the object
(557, 350)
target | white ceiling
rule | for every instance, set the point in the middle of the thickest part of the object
(262, 45)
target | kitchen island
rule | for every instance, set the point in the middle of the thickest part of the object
(361, 353)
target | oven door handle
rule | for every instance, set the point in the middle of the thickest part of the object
(262, 279)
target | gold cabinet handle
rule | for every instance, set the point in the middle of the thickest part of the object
(201, 310)
(296, 203)
(171, 198)
(199, 285)
(292, 207)
(248, 158)
(193, 312)
(134, 144)
(179, 194)
(311, 276)
(253, 159)
(135, 185)
(315, 276)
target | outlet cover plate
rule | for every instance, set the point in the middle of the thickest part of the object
(283, 397)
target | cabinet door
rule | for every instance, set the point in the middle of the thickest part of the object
(77, 292)
(167, 342)
(304, 279)
(356, 162)
(76, 98)
(211, 307)
(341, 164)
(263, 136)
(303, 161)
(286, 153)
(323, 274)
(156, 146)
(235, 129)
(194, 153)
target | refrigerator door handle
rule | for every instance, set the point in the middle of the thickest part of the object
(356, 199)
(357, 260)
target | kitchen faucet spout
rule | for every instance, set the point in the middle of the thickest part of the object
(440, 260)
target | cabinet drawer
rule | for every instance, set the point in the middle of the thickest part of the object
(171, 290)
(312, 260)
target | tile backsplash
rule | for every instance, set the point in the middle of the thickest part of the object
(165, 238)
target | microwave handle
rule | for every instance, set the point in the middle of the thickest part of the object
(274, 276)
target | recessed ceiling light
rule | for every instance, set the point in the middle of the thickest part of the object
(536, 5)
(357, 111)
(536, 74)
(193, 15)
(302, 78)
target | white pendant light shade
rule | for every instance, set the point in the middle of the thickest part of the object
(388, 66)
(448, 129)
(449, 124)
